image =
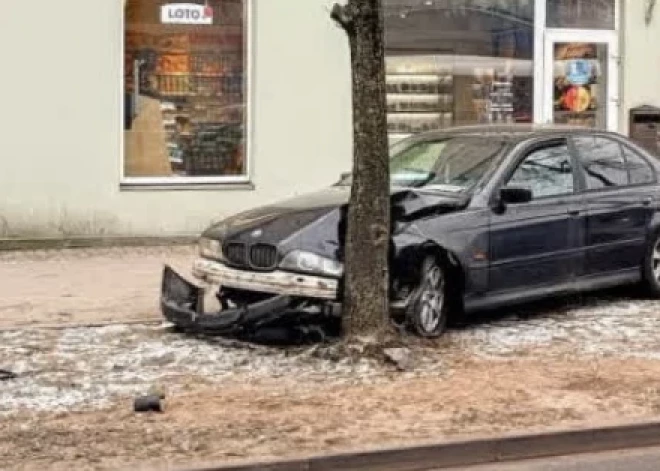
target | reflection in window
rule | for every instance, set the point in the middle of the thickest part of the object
(639, 169)
(585, 14)
(459, 62)
(546, 171)
(184, 95)
(454, 164)
(603, 162)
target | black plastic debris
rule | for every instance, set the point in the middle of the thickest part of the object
(150, 403)
(6, 375)
(271, 320)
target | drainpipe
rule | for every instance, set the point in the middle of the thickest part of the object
(650, 7)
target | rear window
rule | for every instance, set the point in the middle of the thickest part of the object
(639, 169)
(607, 163)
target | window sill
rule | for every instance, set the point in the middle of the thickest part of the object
(238, 186)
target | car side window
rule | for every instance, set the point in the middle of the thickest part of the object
(639, 170)
(603, 162)
(546, 171)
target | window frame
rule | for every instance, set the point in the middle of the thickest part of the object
(192, 182)
(622, 145)
(533, 147)
(615, 19)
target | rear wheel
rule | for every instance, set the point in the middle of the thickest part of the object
(652, 266)
(428, 311)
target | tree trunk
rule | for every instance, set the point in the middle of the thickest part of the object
(366, 288)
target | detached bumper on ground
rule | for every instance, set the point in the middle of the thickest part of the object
(293, 313)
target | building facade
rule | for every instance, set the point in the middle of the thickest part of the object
(154, 117)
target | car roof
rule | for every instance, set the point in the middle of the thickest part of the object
(511, 132)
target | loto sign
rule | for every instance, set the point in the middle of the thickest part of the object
(186, 14)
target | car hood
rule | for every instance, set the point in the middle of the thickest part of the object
(315, 221)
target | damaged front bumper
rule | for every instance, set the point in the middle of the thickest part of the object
(286, 316)
(276, 282)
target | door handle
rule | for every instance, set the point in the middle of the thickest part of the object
(574, 212)
(647, 201)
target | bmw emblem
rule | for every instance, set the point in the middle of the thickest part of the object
(256, 233)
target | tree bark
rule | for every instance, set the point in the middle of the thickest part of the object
(366, 285)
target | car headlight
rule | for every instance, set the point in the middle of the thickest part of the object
(210, 248)
(308, 262)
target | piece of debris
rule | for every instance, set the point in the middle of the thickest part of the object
(399, 357)
(6, 375)
(150, 403)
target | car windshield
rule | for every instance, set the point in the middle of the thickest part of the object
(452, 164)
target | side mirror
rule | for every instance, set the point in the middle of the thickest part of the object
(515, 195)
(345, 175)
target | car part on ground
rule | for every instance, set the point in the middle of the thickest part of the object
(6, 375)
(274, 319)
(150, 403)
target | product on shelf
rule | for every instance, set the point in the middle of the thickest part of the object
(420, 95)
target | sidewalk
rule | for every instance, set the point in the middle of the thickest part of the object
(84, 285)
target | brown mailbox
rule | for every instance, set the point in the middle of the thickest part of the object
(645, 127)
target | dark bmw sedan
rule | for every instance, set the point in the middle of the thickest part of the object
(481, 217)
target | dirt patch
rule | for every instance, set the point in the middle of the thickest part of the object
(282, 417)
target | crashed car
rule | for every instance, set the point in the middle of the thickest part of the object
(481, 217)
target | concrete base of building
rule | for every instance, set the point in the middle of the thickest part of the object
(58, 243)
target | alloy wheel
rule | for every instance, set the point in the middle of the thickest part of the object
(432, 299)
(655, 261)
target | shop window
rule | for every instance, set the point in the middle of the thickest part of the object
(580, 83)
(184, 75)
(457, 63)
(582, 14)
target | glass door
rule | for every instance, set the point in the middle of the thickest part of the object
(581, 79)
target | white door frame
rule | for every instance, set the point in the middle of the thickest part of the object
(543, 91)
(610, 39)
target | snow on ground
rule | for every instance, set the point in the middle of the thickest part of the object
(81, 368)
(69, 368)
(622, 327)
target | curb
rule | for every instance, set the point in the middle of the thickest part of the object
(59, 243)
(81, 325)
(507, 448)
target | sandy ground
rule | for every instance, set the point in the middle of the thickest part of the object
(95, 285)
(583, 360)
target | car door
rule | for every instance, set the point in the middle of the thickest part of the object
(538, 244)
(619, 196)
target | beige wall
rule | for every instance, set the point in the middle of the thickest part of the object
(62, 119)
(640, 51)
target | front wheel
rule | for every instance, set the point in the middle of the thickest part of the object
(428, 311)
(652, 266)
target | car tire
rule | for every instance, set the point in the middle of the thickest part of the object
(651, 269)
(427, 312)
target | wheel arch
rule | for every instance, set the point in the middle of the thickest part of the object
(410, 264)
